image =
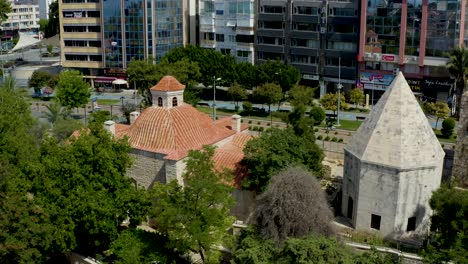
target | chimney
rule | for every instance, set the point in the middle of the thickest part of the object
(236, 123)
(133, 116)
(109, 125)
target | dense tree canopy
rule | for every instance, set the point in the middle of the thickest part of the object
(72, 90)
(195, 216)
(286, 76)
(272, 152)
(356, 96)
(437, 109)
(268, 93)
(293, 205)
(449, 225)
(5, 8)
(57, 197)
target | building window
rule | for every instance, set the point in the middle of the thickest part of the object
(160, 103)
(411, 224)
(350, 208)
(208, 36)
(220, 37)
(243, 53)
(174, 101)
(272, 9)
(225, 51)
(375, 221)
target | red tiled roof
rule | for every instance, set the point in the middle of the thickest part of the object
(173, 131)
(230, 155)
(226, 122)
(168, 83)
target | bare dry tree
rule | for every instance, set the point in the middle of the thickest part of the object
(294, 205)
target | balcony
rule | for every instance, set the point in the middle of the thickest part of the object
(270, 48)
(305, 19)
(335, 36)
(82, 35)
(296, 50)
(270, 32)
(83, 20)
(82, 64)
(83, 50)
(306, 68)
(346, 72)
(245, 45)
(80, 6)
(305, 34)
(270, 17)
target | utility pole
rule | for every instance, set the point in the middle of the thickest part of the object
(339, 92)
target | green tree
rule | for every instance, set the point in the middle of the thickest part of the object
(301, 95)
(247, 107)
(5, 8)
(268, 93)
(238, 93)
(449, 225)
(293, 205)
(246, 74)
(43, 24)
(438, 109)
(277, 72)
(55, 112)
(447, 127)
(356, 96)
(302, 125)
(53, 23)
(272, 152)
(458, 68)
(72, 90)
(195, 216)
(251, 248)
(330, 102)
(39, 79)
(318, 114)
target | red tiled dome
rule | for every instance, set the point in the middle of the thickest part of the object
(167, 84)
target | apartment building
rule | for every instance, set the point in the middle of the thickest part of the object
(24, 17)
(412, 36)
(44, 8)
(101, 37)
(228, 26)
(320, 38)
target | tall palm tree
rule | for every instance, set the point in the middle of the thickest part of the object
(458, 68)
(55, 112)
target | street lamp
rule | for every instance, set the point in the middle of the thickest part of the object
(412, 34)
(339, 92)
(214, 96)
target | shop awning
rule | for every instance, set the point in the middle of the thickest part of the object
(108, 80)
(120, 82)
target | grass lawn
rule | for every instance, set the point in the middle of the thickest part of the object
(351, 125)
(108, 101)
(452, 139)
(228, 112)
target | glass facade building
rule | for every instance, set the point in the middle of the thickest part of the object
(126, 29)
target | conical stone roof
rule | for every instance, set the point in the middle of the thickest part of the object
(397, 133)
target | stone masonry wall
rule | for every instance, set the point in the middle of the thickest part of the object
(147, 168)
(460, 168)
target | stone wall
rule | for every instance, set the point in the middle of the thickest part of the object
(460, 168)
(147, 168)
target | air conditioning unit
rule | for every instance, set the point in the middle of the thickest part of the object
(396, 71)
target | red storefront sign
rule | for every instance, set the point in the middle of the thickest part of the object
(388, 58)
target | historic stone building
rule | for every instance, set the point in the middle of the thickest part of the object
(163, 134)
(393, 163)
(460, 168)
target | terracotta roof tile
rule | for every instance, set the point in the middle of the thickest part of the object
(168, 83)
(174, 131)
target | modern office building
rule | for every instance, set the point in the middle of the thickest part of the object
(24, 17)
(228, 26)
(101, 37)
(320, 38)
(44, 8)
(412, 36)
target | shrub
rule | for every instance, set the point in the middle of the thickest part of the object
(242, 120)
(447, 127)
(336, 132)
(316, 129)
(268, 124)
(259, 123)
(340, 140)
(261, 129)
(319, 137)
(250, 127)
(250, 121)
(255, 128)
(318, 114)
(327, 138)
(334, 139)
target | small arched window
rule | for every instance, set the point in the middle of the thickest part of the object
(160, 102)
(174, 101)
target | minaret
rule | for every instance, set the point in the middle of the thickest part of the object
(392, 165)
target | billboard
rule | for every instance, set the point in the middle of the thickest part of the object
(375, 81)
